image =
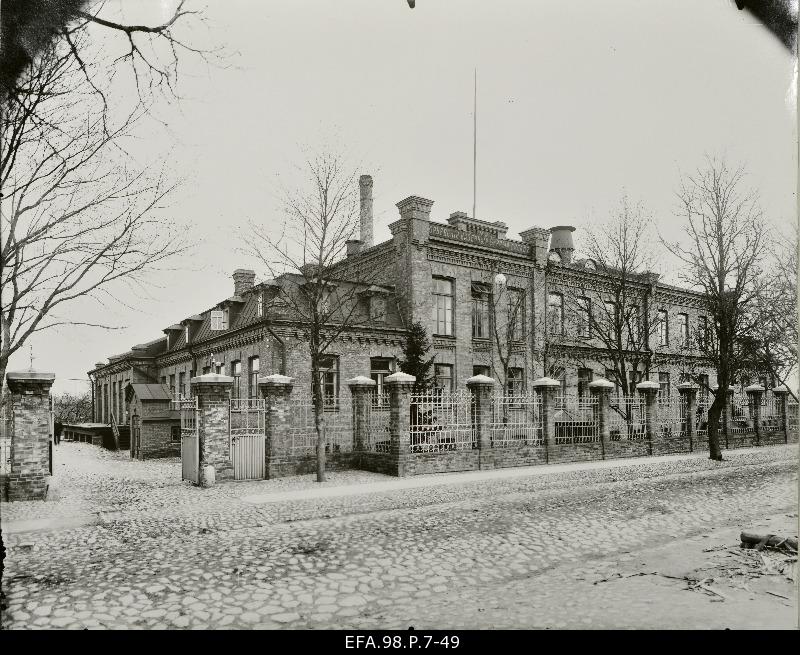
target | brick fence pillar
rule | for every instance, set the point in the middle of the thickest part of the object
(781, 394)
(649, 391)
(30, 434)
(688, 394)
(276, 391)
(361, 390)
(754, 394)
(548, 387)
(213, 426)
(601, 389)
(400, 385)
(481, 387)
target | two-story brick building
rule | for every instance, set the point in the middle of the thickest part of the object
(485, 298)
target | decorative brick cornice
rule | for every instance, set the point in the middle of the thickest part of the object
(457, 257)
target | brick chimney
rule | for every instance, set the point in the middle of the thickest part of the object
(243, 280)
(353, 247)
(365, 184)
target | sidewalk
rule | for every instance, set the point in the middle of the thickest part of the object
(439, 479)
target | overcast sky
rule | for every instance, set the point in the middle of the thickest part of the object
(577, 102)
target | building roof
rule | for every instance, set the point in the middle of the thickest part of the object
(150, 391)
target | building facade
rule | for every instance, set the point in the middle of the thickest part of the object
(489, 302)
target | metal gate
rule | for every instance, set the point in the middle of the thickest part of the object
(248, 437)
(190, 441)
(136, 436)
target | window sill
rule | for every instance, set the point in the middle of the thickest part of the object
(445, 336)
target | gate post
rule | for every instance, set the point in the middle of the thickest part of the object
(781, 394)
(400, 385)
(276, 391)
(754, 393)
(548, 388)
(30, 434)
(688, 395)
(361, 389)
(601, 389)
(649, 390)
(213, 426)
(481, 387)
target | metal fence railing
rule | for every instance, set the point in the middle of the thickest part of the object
(626, 418)
(247, 416)
(516, 420)
(792, 423)
(378, 437)
(771, 412)
(336, 421)
(671, 418)
(576, 419)
(441, 421)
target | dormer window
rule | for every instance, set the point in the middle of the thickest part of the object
(590, 265)
(168, 341)
(554, 257)
(219, 319)
(377, 308)
(186, 333)
(260, 305)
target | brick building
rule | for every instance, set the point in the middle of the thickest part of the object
(490, 304)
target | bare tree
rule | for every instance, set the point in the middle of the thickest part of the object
(605, 316)
(77, 215)
(72, 408)
(499, 316)
(776, 310)
(150, 51)
(318, 289)
(727, 241)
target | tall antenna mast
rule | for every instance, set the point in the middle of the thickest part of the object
(474, 142)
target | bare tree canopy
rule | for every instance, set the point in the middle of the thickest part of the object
(78, 215)
(727, 242)
(29, 27)
(776, 315)
(613, 325)
(315, 285)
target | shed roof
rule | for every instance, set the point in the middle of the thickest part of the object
(150, 391)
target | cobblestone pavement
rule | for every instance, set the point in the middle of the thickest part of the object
(151, 552)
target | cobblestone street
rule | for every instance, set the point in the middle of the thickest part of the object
(125, 544)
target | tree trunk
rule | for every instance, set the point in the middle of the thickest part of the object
(714, 412)
(319, 420)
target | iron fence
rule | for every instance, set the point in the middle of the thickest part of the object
(771, 412)
(671, 418)
(378, 436)
(441, 421)
(516, 420)
(336, 422)
(626, 418)
(792, 415)
(247, 416)
(576, 419)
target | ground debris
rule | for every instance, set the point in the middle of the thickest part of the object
(702, 585)
(771, 541)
